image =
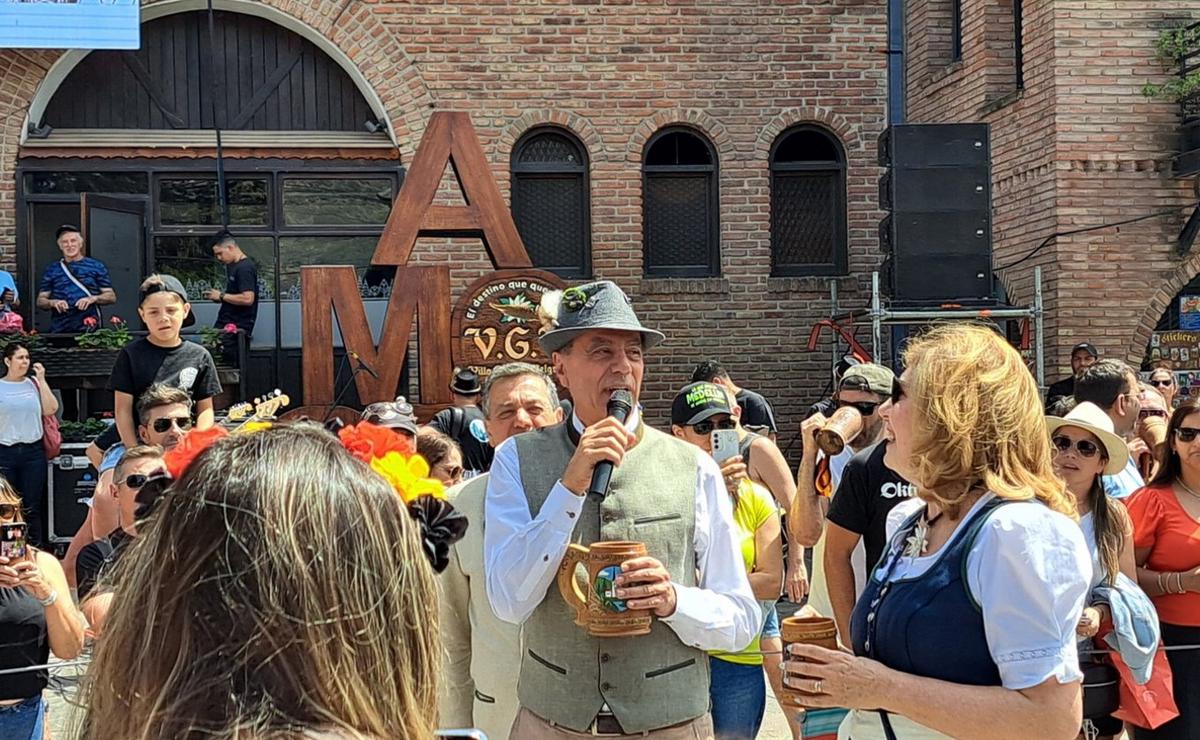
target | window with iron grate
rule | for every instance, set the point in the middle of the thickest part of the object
(808, 203)
(680, 206)
(550, 201)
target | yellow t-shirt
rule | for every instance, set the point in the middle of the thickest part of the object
(755, 507)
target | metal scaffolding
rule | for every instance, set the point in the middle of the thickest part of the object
(881, 315)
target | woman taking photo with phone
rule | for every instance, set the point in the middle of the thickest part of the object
(1166, 541)
(37, 617)
(23, 402)
(279, 588)
(966, 627)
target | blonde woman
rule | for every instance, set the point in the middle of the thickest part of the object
(278, 590)
(967, 625)
(37, 617)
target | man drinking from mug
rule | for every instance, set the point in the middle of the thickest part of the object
(664, 493)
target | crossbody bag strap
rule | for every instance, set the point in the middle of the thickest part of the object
(71, 276)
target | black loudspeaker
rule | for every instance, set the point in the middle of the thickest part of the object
(937, 234)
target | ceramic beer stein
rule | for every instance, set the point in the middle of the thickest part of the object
(820, 631)
(599, 610)
(839, 431)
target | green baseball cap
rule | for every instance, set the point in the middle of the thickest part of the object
(699, 401)
(868, 377)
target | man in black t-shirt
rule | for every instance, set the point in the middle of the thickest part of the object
(757, 415)
(1083, 356)
(859, 509)
(239, 299)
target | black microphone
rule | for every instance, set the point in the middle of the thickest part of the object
(619, 406)
(362, 365)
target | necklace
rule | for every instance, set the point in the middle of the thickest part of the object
(1186, 487)
(918, 542)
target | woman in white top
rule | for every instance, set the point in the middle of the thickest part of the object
(1086, 448)
(967, 626)
(23, 402)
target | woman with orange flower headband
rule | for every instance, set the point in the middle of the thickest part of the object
(289, 575)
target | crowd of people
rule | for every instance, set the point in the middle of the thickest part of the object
(990, 566)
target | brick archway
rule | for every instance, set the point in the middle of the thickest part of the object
(501, 147)
(1158, 305)
(713, 129)
(840, 127)
(354, 37)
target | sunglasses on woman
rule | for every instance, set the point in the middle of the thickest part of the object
(1147, 413)
(897, 391)
(1187, 434)
(1162, 383)
(708, 425)
(1083, 446)
(9, 511)
(866, 408)
(163, 425)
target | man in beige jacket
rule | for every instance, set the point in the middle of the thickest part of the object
(479, 688)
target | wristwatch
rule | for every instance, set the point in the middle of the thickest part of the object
(221, 297)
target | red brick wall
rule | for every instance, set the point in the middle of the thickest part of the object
(1078, 147)
(614, 72)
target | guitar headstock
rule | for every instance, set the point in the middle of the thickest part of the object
(239, 411)
(263, 408)
(267, 407)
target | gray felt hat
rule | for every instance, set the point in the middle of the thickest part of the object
(599, 305)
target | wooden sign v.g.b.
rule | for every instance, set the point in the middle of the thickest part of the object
(422, 293)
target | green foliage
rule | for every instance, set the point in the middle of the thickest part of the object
(82, 431)
(115, 336)
(32, 341)
(1173, 46)
(1176, 43)
(210, 337)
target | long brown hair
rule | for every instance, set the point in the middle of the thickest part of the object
(979, 422)
(1169, 464)
(279, 587)
(1110, 522)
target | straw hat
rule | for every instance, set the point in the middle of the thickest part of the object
(1091, 418)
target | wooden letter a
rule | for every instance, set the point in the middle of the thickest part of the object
(451, 138)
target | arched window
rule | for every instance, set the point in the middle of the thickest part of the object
(550, 201)
(808, 203)
(680, 205)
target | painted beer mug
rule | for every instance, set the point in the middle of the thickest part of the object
(599, 609)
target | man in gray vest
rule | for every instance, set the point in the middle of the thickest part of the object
(477, 689)
(664, 493)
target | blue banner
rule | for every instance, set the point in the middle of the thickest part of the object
(69, 24)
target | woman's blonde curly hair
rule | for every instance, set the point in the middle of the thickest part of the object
(978, 420)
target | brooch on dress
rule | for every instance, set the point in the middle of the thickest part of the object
(917, 543)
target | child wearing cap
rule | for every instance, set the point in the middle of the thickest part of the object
(162, 357)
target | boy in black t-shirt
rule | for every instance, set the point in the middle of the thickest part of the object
(162, 357)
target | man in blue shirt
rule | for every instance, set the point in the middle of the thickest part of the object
(74, 287)
(1113, 386)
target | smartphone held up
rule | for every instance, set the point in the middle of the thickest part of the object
(12, 541)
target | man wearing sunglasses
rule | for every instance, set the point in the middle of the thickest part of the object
(864, 387)
(166, 418)
(135, 468)
(1114, 387)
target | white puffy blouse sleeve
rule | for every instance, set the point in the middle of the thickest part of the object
(1030, 570)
